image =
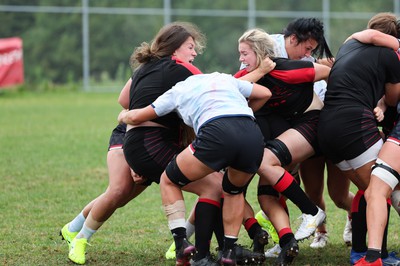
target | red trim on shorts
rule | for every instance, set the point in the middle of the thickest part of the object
(284, 182)
(249, 223)
(389, 201)
(284, 231)
(191, 148)
(114, 147)
(356, 201)
(210, 201)
(393, 140)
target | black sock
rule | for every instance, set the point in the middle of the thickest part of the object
(229, 242)
(359, 222)
(372, 255)
(206, 213)
(179, 234)
(288, 187)
(219, 227)
(283, 240)
(253, 228)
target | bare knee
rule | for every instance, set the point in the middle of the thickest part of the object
(119, 195)
(342, 201)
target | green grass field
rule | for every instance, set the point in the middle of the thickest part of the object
(53, 161)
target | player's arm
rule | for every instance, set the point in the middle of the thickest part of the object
(137, 116)
(380, 109)
(392, 93)
(321, 72)
(326, 61)
(259, 96)
(376, 38)
(264, 68)
(123, 98)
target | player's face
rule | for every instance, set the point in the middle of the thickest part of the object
(186, 52)
(297, 50)
(247, 57)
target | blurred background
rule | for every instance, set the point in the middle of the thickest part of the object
(87, 43)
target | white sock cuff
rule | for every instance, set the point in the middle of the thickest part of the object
(172, 224)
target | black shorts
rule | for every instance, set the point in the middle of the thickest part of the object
(148, 150)
(117, 137)
(347, 132)
(230, 141)
(272, 125)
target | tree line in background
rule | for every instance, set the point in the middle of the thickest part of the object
(53, 41)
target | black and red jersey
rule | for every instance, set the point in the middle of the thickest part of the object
(291, 84)
(154, 78)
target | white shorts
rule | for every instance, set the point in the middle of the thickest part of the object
(369, 155)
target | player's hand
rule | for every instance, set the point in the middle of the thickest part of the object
(379, 114)
(267, 65)
(122, 115)
(138, 179)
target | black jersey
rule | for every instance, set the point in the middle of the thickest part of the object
(291, 84)
(153, 79)
(359, 74)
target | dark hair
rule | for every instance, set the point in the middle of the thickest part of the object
(385, 22)
(167, 41)
(306, 28)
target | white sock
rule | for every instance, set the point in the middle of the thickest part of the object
(76, 224)
(189, 229)
(86, 232)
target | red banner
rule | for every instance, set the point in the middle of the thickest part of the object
(11, 62)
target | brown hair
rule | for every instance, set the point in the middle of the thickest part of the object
(385, 22)
(167, 41)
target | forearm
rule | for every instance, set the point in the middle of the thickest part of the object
(376, 38)
(264, 68)
(326, 61)
(254, 75)
(123, 98)
(137, 116)
(256, 104)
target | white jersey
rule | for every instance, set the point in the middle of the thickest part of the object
(280, 51)
(204, 97)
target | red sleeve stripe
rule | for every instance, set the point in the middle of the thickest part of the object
(294, 76)
(240, 73)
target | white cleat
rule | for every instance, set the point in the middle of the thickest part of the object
(320, 240)
(347, 232)
(309, 224)
(273, 252)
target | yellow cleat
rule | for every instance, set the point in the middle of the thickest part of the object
(266, 224)
(67, 235)
(170, 254)
(77, 250)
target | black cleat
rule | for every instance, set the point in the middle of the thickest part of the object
(185, 253)
(206, 261)
(228, 257)
(288, 253)
(260, 241)
(245, 256)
